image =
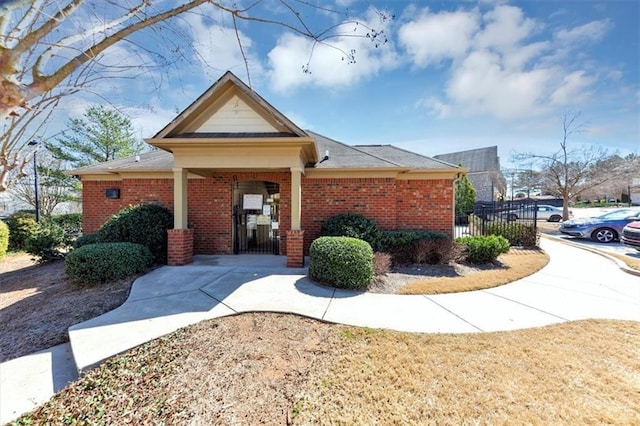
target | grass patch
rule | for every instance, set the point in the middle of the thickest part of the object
(283, 369)
(586, 372)
(516, 264)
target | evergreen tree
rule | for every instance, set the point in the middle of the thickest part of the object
(465, 196)
(102, 134)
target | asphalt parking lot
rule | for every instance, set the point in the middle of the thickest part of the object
(614, 247)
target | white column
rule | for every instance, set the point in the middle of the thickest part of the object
(180, 198)
(296, 198)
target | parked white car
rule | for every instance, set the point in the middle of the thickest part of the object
(540, 212)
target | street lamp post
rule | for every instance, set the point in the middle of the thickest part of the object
(35, 178)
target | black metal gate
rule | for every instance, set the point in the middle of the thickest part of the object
(255, 232)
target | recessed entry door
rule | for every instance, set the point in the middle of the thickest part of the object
(256, 225)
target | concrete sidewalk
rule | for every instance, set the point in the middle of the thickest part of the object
(576, 284)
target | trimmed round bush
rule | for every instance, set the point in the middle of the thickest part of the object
(351, 225)
(22, 225)
(99, 263)
(145, 224)
(484, 249)
(4, 239)
(342, 262)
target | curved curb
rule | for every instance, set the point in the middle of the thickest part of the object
(619, 263)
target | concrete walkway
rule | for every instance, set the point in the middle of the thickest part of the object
(576, 284)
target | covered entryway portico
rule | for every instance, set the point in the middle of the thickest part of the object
(232, 130)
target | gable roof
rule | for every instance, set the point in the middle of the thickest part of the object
(476, 160)
(215, 98)
(230, 126)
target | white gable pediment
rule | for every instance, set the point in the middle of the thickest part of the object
(235, 116)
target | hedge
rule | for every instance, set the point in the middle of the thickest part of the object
(4, 239)
(22, 225)
(102, 262)
(351, 225)
(145, 224)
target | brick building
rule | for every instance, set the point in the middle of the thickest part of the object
(242, 178)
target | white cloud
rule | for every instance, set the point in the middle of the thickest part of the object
(149, 121)
(573, 90)
(217, 47)
(502, 63)
(330, 64)
(345, 3)
(480, 85)
(592, 31)
(506, 27)
(433, 38)
(436, 106)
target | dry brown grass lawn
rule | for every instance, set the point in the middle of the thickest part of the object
(514, 265)
(586, 372)
(282, 369)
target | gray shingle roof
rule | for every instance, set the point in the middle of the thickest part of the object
(476, 160)
(341, 156)
(157, 160)
(345, 156)
(405, 158)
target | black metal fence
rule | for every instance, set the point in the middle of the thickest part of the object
(516, 221)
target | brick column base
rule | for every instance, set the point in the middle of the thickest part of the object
(295, 249)
(180, 247)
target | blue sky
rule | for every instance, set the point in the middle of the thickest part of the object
(452, 76)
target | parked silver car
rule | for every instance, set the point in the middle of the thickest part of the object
(604, 228)
(540, 212)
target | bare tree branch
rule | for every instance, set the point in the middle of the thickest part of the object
(571, 171)
(42, 60)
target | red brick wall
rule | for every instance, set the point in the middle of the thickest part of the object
(393, 204)
(323, 198)
(425, 205)
(97, 208)
(210, 204)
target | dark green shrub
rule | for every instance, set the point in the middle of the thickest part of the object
(484, 249)
(145, 224)
(71, 223)
(403, 246)
(99, 263)
(4, 239)
(342, 262)
(47, 243)
(85, 240)
(22, 225)
(351, 225)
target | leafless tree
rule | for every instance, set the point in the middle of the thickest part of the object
(572, 170)
(52, 48)
(54, 187)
